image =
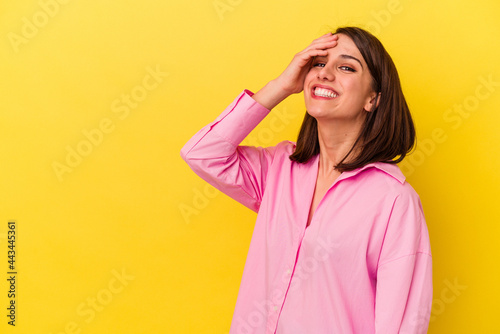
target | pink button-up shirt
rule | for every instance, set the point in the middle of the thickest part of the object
(362, 266)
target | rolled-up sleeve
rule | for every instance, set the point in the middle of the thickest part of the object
(214, 154)
(404, 275)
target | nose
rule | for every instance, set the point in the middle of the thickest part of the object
(326, 73)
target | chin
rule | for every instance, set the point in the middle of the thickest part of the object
(319, 111)
(317, 114)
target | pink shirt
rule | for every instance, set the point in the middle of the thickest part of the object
(364, 263)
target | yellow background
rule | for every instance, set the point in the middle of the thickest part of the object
(132, 207)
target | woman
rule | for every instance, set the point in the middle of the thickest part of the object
(340, 244)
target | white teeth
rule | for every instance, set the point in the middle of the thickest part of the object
(324, 92)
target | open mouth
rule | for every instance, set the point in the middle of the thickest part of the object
(324, 92)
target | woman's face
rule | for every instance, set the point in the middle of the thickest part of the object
(339, 85)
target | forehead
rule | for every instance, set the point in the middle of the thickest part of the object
(346, 46)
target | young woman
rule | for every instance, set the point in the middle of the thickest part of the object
(340, 244)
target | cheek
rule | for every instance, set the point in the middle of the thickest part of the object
(359, 87)
(358, 93)
(309, 76)
(355, 90)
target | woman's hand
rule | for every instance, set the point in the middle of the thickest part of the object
(292, 78)
(291, 81)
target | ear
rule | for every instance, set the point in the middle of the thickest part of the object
(373, 102)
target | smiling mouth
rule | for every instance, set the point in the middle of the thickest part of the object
(322, 92)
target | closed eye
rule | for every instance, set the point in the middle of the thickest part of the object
(344, 68)
(347, 68)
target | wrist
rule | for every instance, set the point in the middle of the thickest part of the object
(270, 95)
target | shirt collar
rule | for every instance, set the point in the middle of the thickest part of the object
(390, 169)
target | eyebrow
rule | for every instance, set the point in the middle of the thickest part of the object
(345, 56)
(351, 57)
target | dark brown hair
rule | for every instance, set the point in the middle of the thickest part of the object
(388, 133)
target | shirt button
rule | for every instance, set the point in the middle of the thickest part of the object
(288, 271)
(275, 308)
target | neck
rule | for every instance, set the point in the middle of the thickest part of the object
(335, 141)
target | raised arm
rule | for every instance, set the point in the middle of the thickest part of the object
(291, 81)
(215, 154)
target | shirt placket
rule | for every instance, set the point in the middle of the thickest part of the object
(284, 284)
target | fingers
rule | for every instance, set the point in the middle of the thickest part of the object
(324, 42)
(326, 38)
(292, 78)
(318, 47)
(327, 35)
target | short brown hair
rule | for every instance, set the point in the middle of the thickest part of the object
(388, 133)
